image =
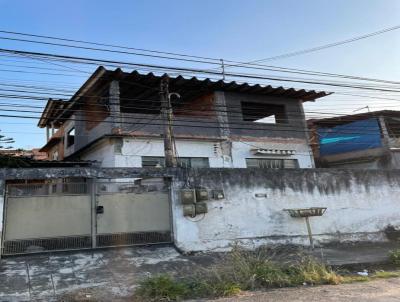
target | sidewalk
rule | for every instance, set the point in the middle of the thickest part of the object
(113, 274)
(371, 253)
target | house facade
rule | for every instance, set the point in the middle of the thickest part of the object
(114, 119)
(366, 141)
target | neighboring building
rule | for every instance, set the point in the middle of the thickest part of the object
(34, 154)
(367, 140)
(114, 118)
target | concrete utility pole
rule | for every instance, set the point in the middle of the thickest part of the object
(166, 112)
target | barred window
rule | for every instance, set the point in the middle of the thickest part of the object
(185, 162)
(272, 163)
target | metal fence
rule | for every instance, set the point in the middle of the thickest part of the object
(46, 189)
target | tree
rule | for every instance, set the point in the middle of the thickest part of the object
(8, 161)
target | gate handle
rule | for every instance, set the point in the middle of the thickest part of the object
(99, 210)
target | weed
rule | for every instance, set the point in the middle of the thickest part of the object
(385, 274)
(239, 270)
(355, 278)
(162, 288)
(394, 257)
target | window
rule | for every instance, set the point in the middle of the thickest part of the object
(263, 113)
(186, 162)
(71, 137)
(193, 162)
(151, 161)
(272, 163)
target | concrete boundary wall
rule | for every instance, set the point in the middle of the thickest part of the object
(361, 203)
(360, 206)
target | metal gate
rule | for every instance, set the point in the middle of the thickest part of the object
(130, 213)
(44, 217)
(66, 216)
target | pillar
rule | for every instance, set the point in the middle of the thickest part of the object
(115, 106)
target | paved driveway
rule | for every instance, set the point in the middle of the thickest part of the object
(108, 274)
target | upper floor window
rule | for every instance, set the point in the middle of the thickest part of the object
(71, 137)
(263, 113)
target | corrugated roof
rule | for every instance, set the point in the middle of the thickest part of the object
(53, 108)
(146, 86)
(343, 119)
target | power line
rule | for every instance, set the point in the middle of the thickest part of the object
(105, 44)
(198, 124)
(194, 70)
(240, 64)
(325, 46)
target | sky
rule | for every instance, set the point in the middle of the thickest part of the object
(230, 29)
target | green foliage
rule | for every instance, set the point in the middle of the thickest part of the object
(384, 274)
(13, 162)
(240, 270)
(394, 257)
(162, 288)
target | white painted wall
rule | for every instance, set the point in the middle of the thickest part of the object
(242, 150)
(104, 154)
(133, 150)
(353, 214)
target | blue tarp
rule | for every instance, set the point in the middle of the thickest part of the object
(355, 136)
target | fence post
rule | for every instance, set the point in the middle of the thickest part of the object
(93, 216)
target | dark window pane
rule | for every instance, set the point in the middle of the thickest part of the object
(272, 163)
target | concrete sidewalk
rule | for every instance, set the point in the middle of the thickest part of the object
(112, 274)
(109, 274)
(356, 254)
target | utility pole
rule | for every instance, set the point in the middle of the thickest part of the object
(223, 69)
(166, 112)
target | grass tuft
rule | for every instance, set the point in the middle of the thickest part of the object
(239, 270)
(162, 288)
(385, 274)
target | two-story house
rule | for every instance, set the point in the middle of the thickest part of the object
(114, 118)
(367, 140)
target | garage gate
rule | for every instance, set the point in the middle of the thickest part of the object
(61, 215)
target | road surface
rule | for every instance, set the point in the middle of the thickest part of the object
(384, 290)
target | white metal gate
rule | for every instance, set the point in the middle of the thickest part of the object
(43, 217)
(130, 213)
(64, 216)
